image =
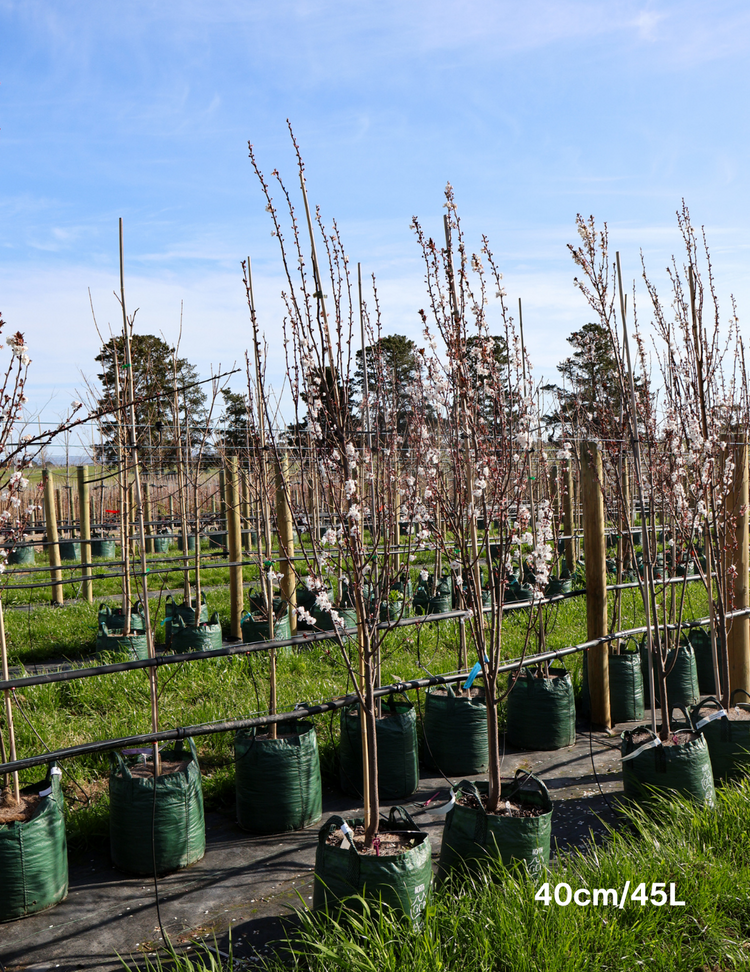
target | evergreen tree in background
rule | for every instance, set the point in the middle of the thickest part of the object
(153, 382)
(392, 370)
(590, 382)
(236, 434)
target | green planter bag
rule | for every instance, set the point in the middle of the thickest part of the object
(185, 610)
(34, 855)
(473, 837)
(541, 712)
(114, 619)
(278, 780)
(700, 639)
(393, 610)
(626, 687)
(398, 763)
(102, 547)
(455, 733)
(206, 637)
(70, 550)
(401, 881)
(682, 681)
(255, 628)
(626, 700)
(324, 621)
(134, 645)
(21, 555)
(161, 544)
(728, 740)
(179, 825)
(190, 542)
(558, 586)
(421, 600)
(648, 767)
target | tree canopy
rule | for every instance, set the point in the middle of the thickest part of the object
(154, 370)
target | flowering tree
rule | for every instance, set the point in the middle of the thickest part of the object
(678, 441)
(319, 339)
(487, 429)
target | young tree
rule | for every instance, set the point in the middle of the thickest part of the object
(319, 340)
(487, 420)
(681, 460)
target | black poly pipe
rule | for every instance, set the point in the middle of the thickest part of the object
(209, 728)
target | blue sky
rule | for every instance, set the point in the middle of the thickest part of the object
(534, 112)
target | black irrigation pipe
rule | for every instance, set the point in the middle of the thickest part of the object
(305, 711)
(134, 573)
(244, 648)
(241, 648)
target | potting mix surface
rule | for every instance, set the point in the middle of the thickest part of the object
(10, 811)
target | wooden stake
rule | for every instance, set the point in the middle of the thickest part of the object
(596, 581)
(285, 528)
(53, 545)
(84, 502)
(738, 636)
(8, 705)
(147, 514)
(234, 538)
(569, 527)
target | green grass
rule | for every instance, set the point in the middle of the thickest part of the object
(498, 926)
(111, 706)
(494, 922)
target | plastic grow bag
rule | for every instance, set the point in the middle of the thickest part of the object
(626, 695)
(455, 733)
(21, 555)
(277, 781)
(728, 740)
(682, 681)
(398, 761)
(541, 712)
(70, 550)
(255, 628)
(185, 610)
(135, 645)
(34, 855)
(401, 881)
(161, 544)
(472, 836)
(650, 768)
(206, 637)
(114, 619)
(700, 639)
(102, 547)
(626, 700)
(179, 825)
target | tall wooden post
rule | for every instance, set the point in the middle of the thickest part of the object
(569, 524)
(8, 705)
(60, 519)
(234, 537)
(223, 500)
(84, 503)
(146, 488)
(738, 634)
(592, 500)
(53, 545)
(285, 529)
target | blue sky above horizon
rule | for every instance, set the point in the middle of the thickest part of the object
(533, 112)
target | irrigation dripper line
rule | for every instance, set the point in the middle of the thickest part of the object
(209, 728)
(243, 648)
